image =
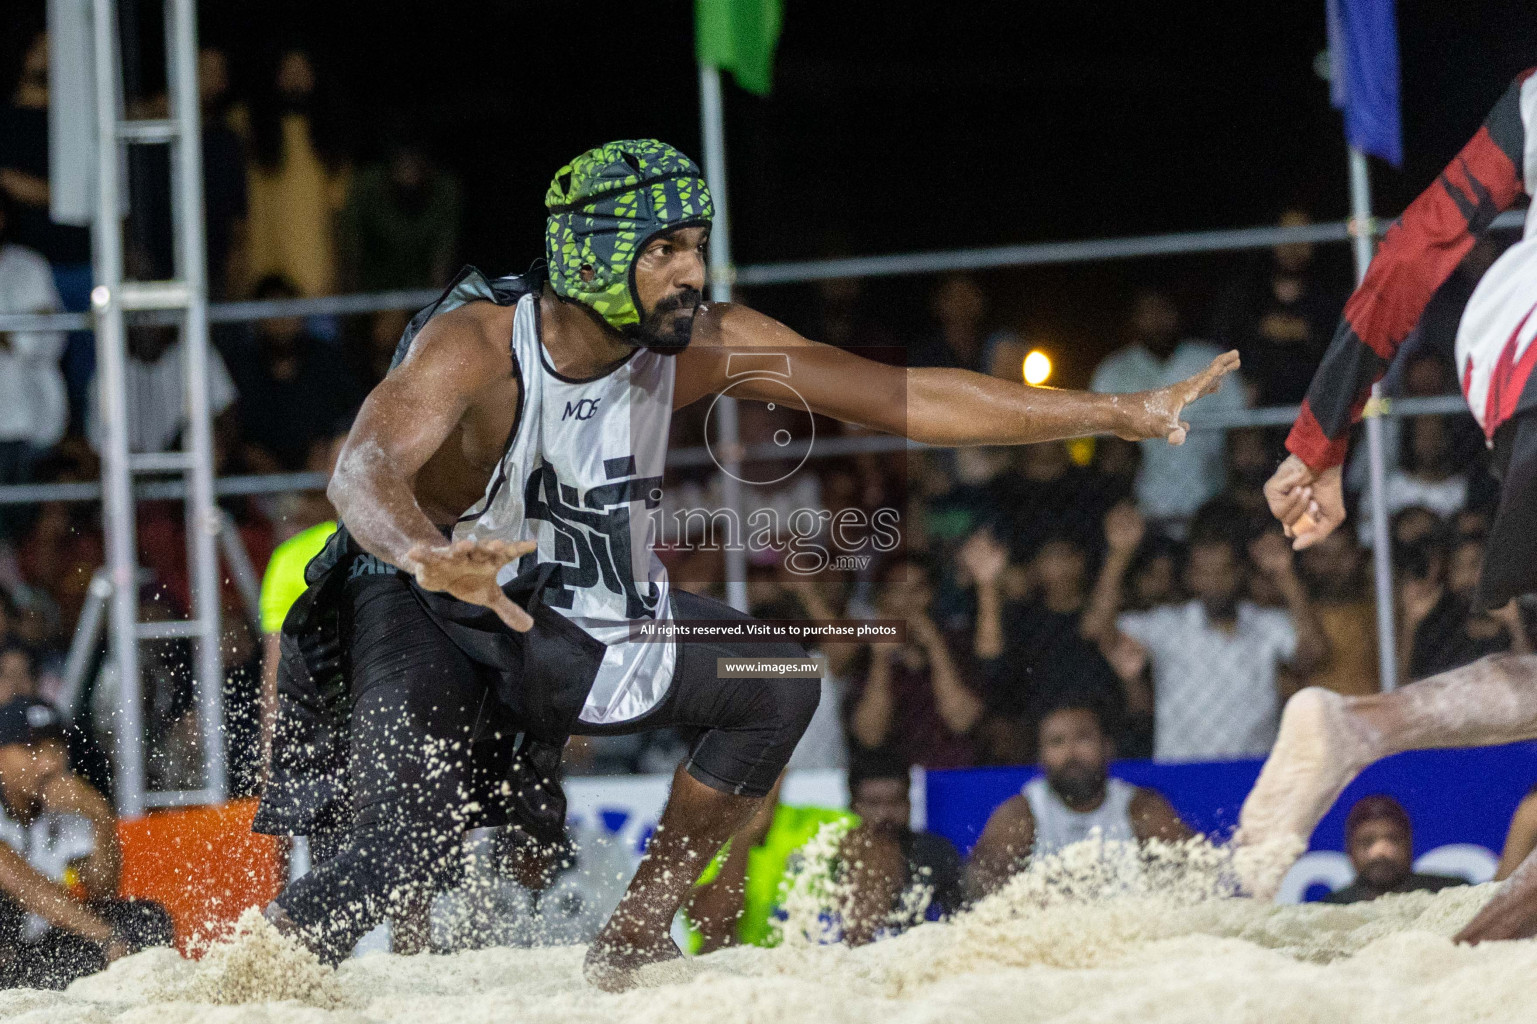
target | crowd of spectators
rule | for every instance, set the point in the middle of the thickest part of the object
(1144, 579)
(296, 205)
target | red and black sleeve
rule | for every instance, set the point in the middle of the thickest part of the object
(1418, 253)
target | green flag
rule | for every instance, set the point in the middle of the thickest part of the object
(739, 36)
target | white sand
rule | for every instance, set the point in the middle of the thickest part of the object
(1088, 938)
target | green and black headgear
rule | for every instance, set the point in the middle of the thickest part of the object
(605, 206)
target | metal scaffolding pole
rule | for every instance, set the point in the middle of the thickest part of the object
(1382, 555)
(203, 519)
(184, 297)
(111, 359)
(729, 438)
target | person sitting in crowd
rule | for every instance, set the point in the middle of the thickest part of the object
(1215, 659)
(1280, 320)
(1380, 842)
(60, 915)
(959, 308)
(1031, 652)
(293, 388)
(896, 877)
(1439, 629)
(1074, 797)
(914, 698)
(157, 411)
(400, 227)
(34, 408)
(1334, 570)
(1430, 476)
(1174, 481)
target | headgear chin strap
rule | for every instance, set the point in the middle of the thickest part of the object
(604, 207)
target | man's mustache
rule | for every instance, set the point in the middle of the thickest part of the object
(688, 298)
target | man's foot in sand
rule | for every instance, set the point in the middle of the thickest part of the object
(615, 960)
(1319, 750)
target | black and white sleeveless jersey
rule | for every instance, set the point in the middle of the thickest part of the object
(580, 476)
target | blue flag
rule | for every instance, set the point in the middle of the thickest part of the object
(1363, 58)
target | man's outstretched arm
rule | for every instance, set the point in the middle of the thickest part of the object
(937, 406)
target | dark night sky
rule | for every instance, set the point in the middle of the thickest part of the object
(901, 125)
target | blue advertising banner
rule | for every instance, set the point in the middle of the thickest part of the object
(1456, 799)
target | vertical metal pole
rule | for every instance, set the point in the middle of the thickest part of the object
(111, 354)
(1382, 555)
(191, 267)
(712, 125)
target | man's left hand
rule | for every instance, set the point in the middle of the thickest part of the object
(1160, 412)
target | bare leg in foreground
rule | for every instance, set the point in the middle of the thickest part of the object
(1326, 740)
(696, 822)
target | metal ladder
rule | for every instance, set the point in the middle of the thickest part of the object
(186, 295)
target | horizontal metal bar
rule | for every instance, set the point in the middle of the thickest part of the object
(179, 798)
(1035, 254)
(159, 462)
(45, 321)
(326, 305)
(831, 447)
(172, 629)
(148, 131)
(137, 295)
(1056, 253)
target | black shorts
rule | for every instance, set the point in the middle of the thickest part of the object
(430, 728)
(1510, 558)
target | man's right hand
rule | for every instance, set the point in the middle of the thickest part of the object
(1309, 505)
(467, 569)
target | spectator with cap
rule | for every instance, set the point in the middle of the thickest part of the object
(897, 877)
(60, 915)
(1379, 840)
(1074, 798)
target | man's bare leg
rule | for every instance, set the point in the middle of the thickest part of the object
(1326, 740)
(696, 822)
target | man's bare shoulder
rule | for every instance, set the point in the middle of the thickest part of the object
(733, 325)
(1014, 810)
(476, 337)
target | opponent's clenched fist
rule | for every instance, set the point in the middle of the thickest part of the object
(1309, 505)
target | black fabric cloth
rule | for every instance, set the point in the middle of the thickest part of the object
(286, 416)
(934, 862)
(24, 147)
(1359, 892)
(57, 957)
(1510, 557)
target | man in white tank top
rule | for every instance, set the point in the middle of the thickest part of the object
(526, 422)
(1073, 799)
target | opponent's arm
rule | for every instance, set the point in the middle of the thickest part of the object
(402, 423)
(937, 406)
(1417, 255)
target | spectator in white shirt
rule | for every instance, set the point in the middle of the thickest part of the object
(33, 406)
(157, 402)
(1173, 481)
(1215, 659)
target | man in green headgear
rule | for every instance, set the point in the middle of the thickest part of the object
(494, 588)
